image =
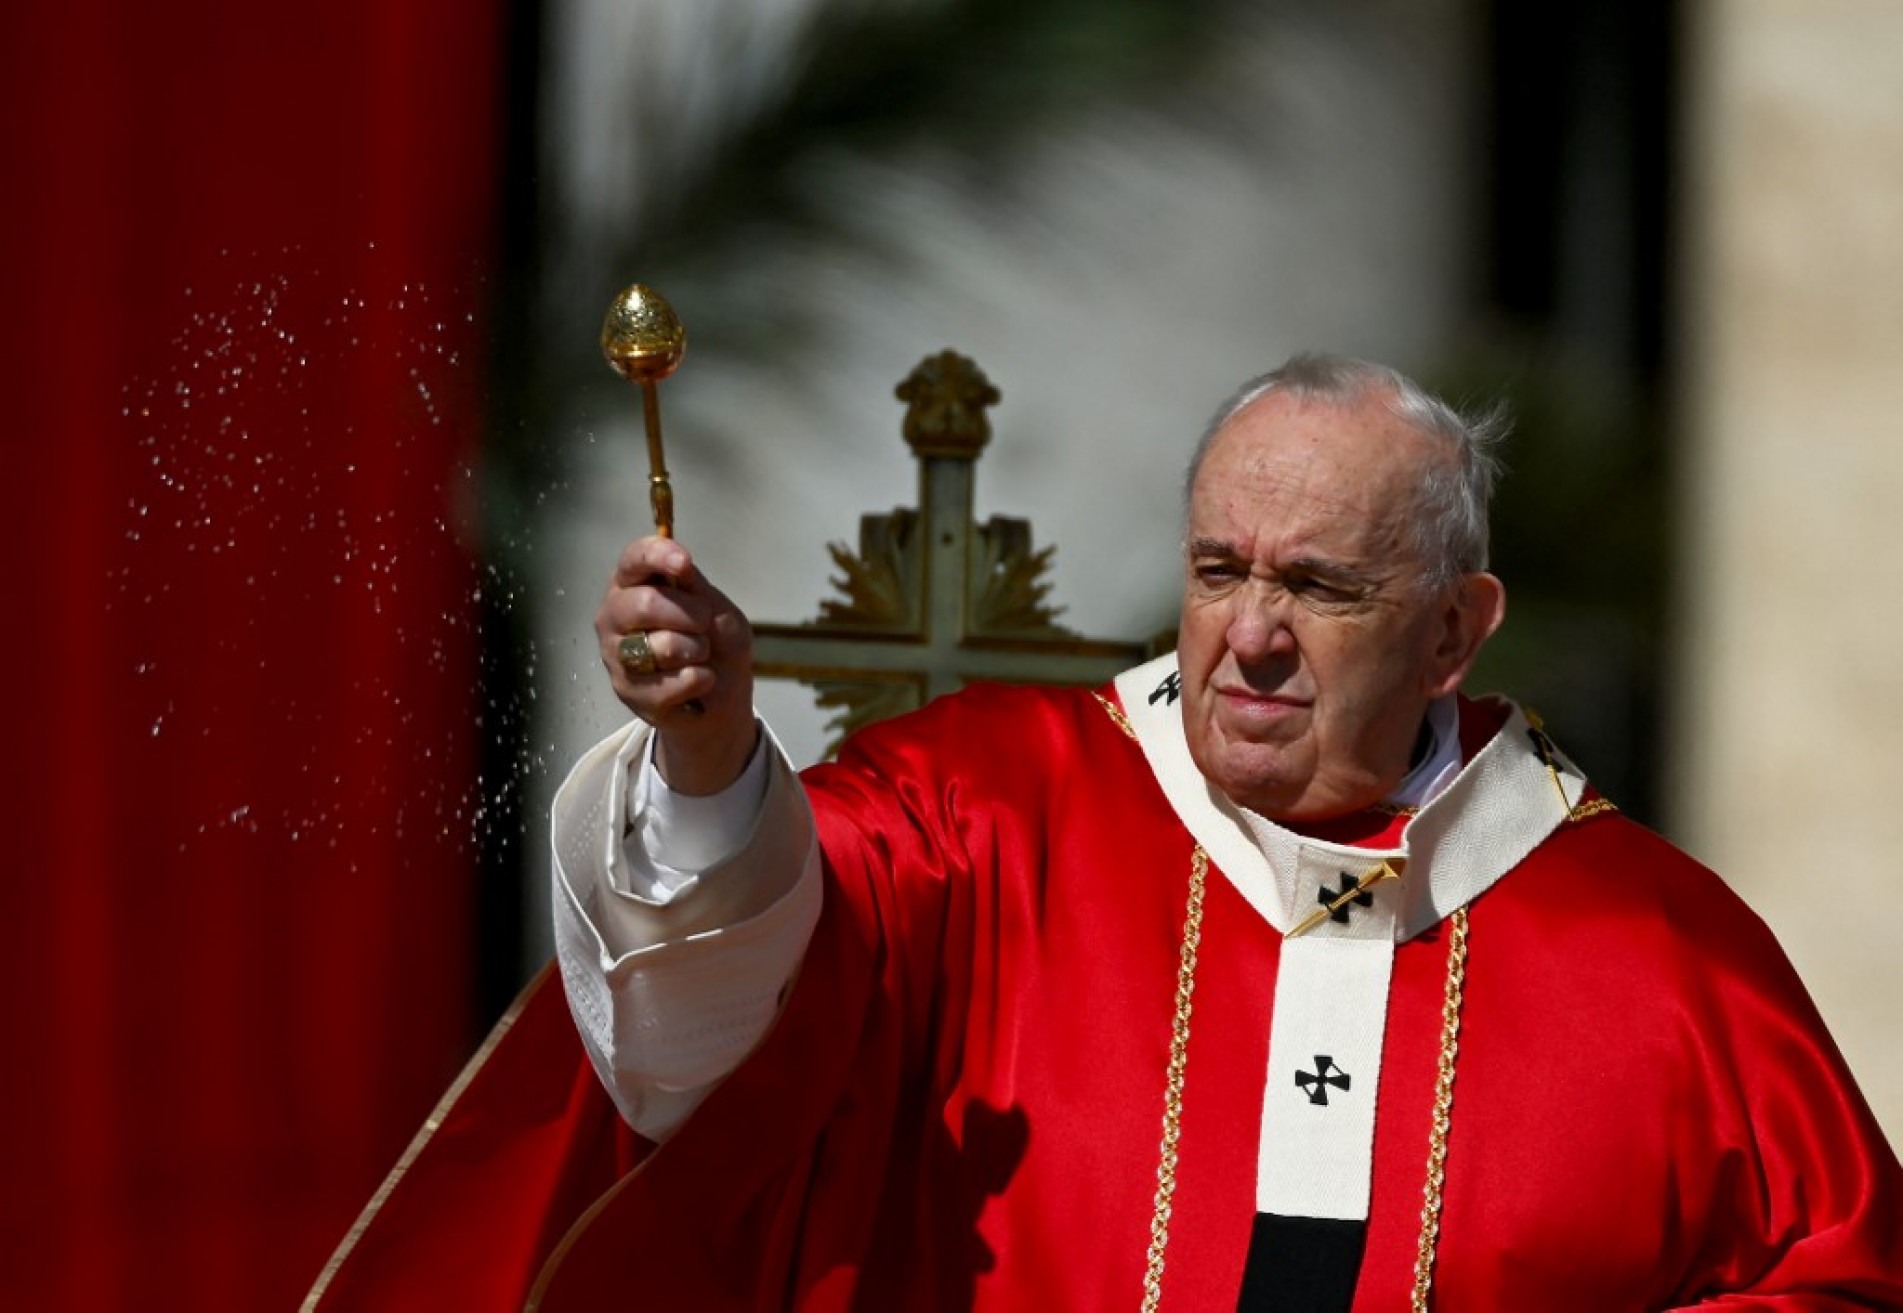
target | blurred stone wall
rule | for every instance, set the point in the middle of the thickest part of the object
(1790, 674)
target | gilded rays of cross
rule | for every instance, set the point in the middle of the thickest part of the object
(932, 600)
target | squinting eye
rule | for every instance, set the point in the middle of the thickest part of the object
(1317, 591)
(1218, 574)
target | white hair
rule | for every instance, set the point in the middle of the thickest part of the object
(1450, 529)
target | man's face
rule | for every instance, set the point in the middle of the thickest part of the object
(1310, 643)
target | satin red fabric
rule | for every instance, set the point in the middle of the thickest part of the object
(961, 1107)
(248, 249)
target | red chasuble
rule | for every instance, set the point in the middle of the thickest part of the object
(963, 1101)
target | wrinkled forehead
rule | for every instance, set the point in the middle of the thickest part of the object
(1356, 458)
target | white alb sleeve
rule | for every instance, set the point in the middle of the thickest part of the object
(673, 974)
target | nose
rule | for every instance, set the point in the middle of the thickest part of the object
(1259, 626)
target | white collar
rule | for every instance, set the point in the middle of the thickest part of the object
(1477, 823)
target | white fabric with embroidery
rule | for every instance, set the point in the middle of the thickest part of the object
(675, 976)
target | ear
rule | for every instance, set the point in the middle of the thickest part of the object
(1474, 608)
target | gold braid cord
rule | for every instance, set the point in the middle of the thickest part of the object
(1443, 1112)
(1173, 1086)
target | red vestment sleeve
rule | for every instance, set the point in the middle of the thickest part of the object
(837, 1167)
(1804, 1206)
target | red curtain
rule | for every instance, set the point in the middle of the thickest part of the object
(246, 252)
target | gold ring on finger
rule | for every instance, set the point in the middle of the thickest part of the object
(637, 654)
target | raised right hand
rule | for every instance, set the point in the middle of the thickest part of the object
(700, 696)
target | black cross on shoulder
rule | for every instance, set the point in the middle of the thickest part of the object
(1543, 746)
(1315, 1083)
(1169, 690)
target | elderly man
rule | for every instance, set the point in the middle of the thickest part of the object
(1277, 975)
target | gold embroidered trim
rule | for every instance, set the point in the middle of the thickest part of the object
(1115, 713)
(1596, 807)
